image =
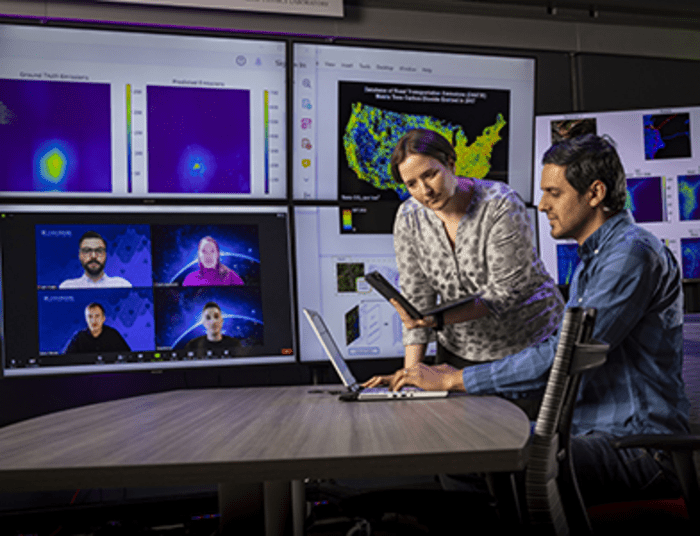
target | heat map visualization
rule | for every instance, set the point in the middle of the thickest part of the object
(372, 133)
(667, 136)
(645, 199)
(688, 195)
(475, 122)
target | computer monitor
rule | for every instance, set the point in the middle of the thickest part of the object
(662, 164)
(351, 104)
(136, 114)
(117, 288)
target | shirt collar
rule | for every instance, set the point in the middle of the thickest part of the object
(603, 233)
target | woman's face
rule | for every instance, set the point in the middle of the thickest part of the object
(213, 322)
(430, 182)
(208, 254)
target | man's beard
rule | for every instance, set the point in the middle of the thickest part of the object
(94, 268)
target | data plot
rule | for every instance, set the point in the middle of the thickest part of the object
(567, 260)
(688, 194)
(667, 136)
(690, 253)
(645, 199)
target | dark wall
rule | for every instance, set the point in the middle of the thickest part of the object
(609, 82)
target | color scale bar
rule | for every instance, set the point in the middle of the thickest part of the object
(266, 99)
(347, 219)
(128, 138)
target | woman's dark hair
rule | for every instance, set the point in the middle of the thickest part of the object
(421, 141)
(587, 159)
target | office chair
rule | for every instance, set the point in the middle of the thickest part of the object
(650, 515)
(680, 515)
(554, 504)
(548, 464)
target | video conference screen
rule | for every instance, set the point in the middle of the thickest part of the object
(661, 157)
(132, 288)
(353, 104)
(141, 115)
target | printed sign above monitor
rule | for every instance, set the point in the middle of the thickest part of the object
(141, 115)
(660, 151)
(352, 104)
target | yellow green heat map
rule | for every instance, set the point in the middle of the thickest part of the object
(372, 133)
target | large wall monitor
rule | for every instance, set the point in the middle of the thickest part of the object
(110, 288)
(331, 266)
(352, 104)
(141, 115)
(660, 151)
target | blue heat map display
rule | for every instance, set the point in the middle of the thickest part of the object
(56, 136)
(374, 117)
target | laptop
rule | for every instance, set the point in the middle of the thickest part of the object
(355, 391)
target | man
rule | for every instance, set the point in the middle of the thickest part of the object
(633, 281)
(213, 322)
(92, 253)
(97, 337)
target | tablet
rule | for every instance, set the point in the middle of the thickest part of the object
(386, 289)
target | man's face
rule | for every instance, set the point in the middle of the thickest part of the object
(93, 256)
(95, 318)
(213, 321)
(569, 212)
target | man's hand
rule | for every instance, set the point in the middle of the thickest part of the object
(439, 378)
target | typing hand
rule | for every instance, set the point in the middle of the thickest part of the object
(438, 378)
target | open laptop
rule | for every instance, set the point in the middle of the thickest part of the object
(355, 390)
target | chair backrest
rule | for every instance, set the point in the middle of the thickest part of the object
(548, 504)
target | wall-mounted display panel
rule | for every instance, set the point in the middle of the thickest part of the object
(660, 151)
(331, 266)
(141, 115)
(352, 104)
(133, 288)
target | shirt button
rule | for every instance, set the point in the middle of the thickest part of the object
(580, 300)
(596, 252)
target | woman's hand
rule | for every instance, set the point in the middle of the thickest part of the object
(438, 378)
(412, 323)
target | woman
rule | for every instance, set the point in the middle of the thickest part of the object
(457, 236)
(211, 270)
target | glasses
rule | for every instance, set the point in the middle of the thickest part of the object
(97, 251)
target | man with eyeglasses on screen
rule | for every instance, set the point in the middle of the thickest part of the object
(92, 253)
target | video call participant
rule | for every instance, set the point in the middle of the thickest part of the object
(213, 322)
(634, 282)
(457, 236)
(211, 270)
(92, 253)
(97, 337)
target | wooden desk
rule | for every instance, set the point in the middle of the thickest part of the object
(258, 435)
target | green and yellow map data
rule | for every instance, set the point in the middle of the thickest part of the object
(372, 133)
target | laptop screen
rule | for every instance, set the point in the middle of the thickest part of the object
(331, 349)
